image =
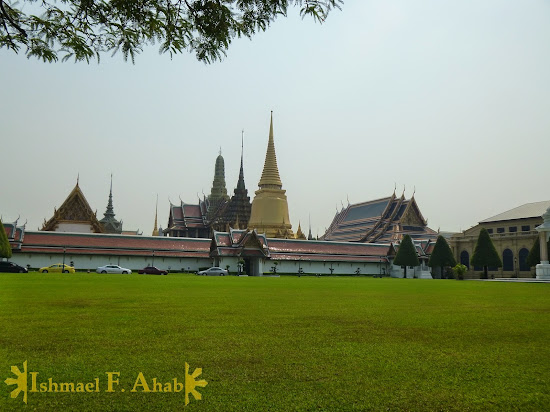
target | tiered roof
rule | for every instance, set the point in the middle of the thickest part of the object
(380, 220)
(15, 234)
(250, 243)
(186, 216)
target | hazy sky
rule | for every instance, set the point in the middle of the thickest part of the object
(452, 98)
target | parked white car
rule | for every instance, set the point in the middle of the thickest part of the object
(113, 269)
(213, 272)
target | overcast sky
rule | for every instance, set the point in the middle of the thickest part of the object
(450, 98)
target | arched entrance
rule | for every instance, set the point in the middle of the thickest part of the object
(465, 258)
(523, 266)
(507, 260)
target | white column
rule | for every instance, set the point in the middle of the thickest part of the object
(543, 247)
(543, 268)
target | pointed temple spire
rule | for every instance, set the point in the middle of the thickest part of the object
(109, 222)
(269, 212)
(218, 193)
(270, 175)
(240, 183)
(155, 228)
(110, 212)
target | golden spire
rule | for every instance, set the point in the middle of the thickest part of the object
(270, 175)
(155, 229)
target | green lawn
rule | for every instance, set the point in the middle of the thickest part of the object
(279, 344)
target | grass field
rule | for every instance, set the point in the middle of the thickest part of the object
(279, 344)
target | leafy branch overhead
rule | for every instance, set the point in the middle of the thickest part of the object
(84, 29)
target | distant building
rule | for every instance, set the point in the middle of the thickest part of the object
(74, 215)
(513, 234)
(216, 212)
(188, 220)
(381, 220)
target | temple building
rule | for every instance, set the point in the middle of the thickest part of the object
(109, 222)
(381, 220)
(217, 212)
(188, 220)
(235, 212)
(513, 233)
(75, 215)
(269, 214)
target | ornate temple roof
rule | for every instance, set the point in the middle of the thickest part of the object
(75, 209)
(186, 215)
(380, 220)
(250, 243)
(15, 234)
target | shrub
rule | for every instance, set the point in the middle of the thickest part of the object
(459, 270)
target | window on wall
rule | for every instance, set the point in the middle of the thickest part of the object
(507, 260)
(490, 231)
(523, 260)
(513, 229)
(465, 258)
(500, 230)
(526, 228)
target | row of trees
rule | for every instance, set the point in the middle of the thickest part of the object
(485, 254)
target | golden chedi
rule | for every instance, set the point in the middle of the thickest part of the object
(269, 212)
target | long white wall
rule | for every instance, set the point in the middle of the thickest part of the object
(91, 262)
(324, 268)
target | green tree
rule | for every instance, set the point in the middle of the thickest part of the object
(485, 254)
(442, 255)
(406, 254)
(5, 248)
(533, 258)
(84, 29)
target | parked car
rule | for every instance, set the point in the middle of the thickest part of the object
(113, 269)
(152, 270)
(215, 271)
(10, 267)
(57, 268)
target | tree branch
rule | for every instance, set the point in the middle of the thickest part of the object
(13, 23)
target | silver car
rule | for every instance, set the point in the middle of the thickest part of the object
(213, 272)
(113, 269)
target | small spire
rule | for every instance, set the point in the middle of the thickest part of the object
(155, 229)
(77, 178)
(240, 183)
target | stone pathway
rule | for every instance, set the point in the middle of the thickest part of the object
(516, 280)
